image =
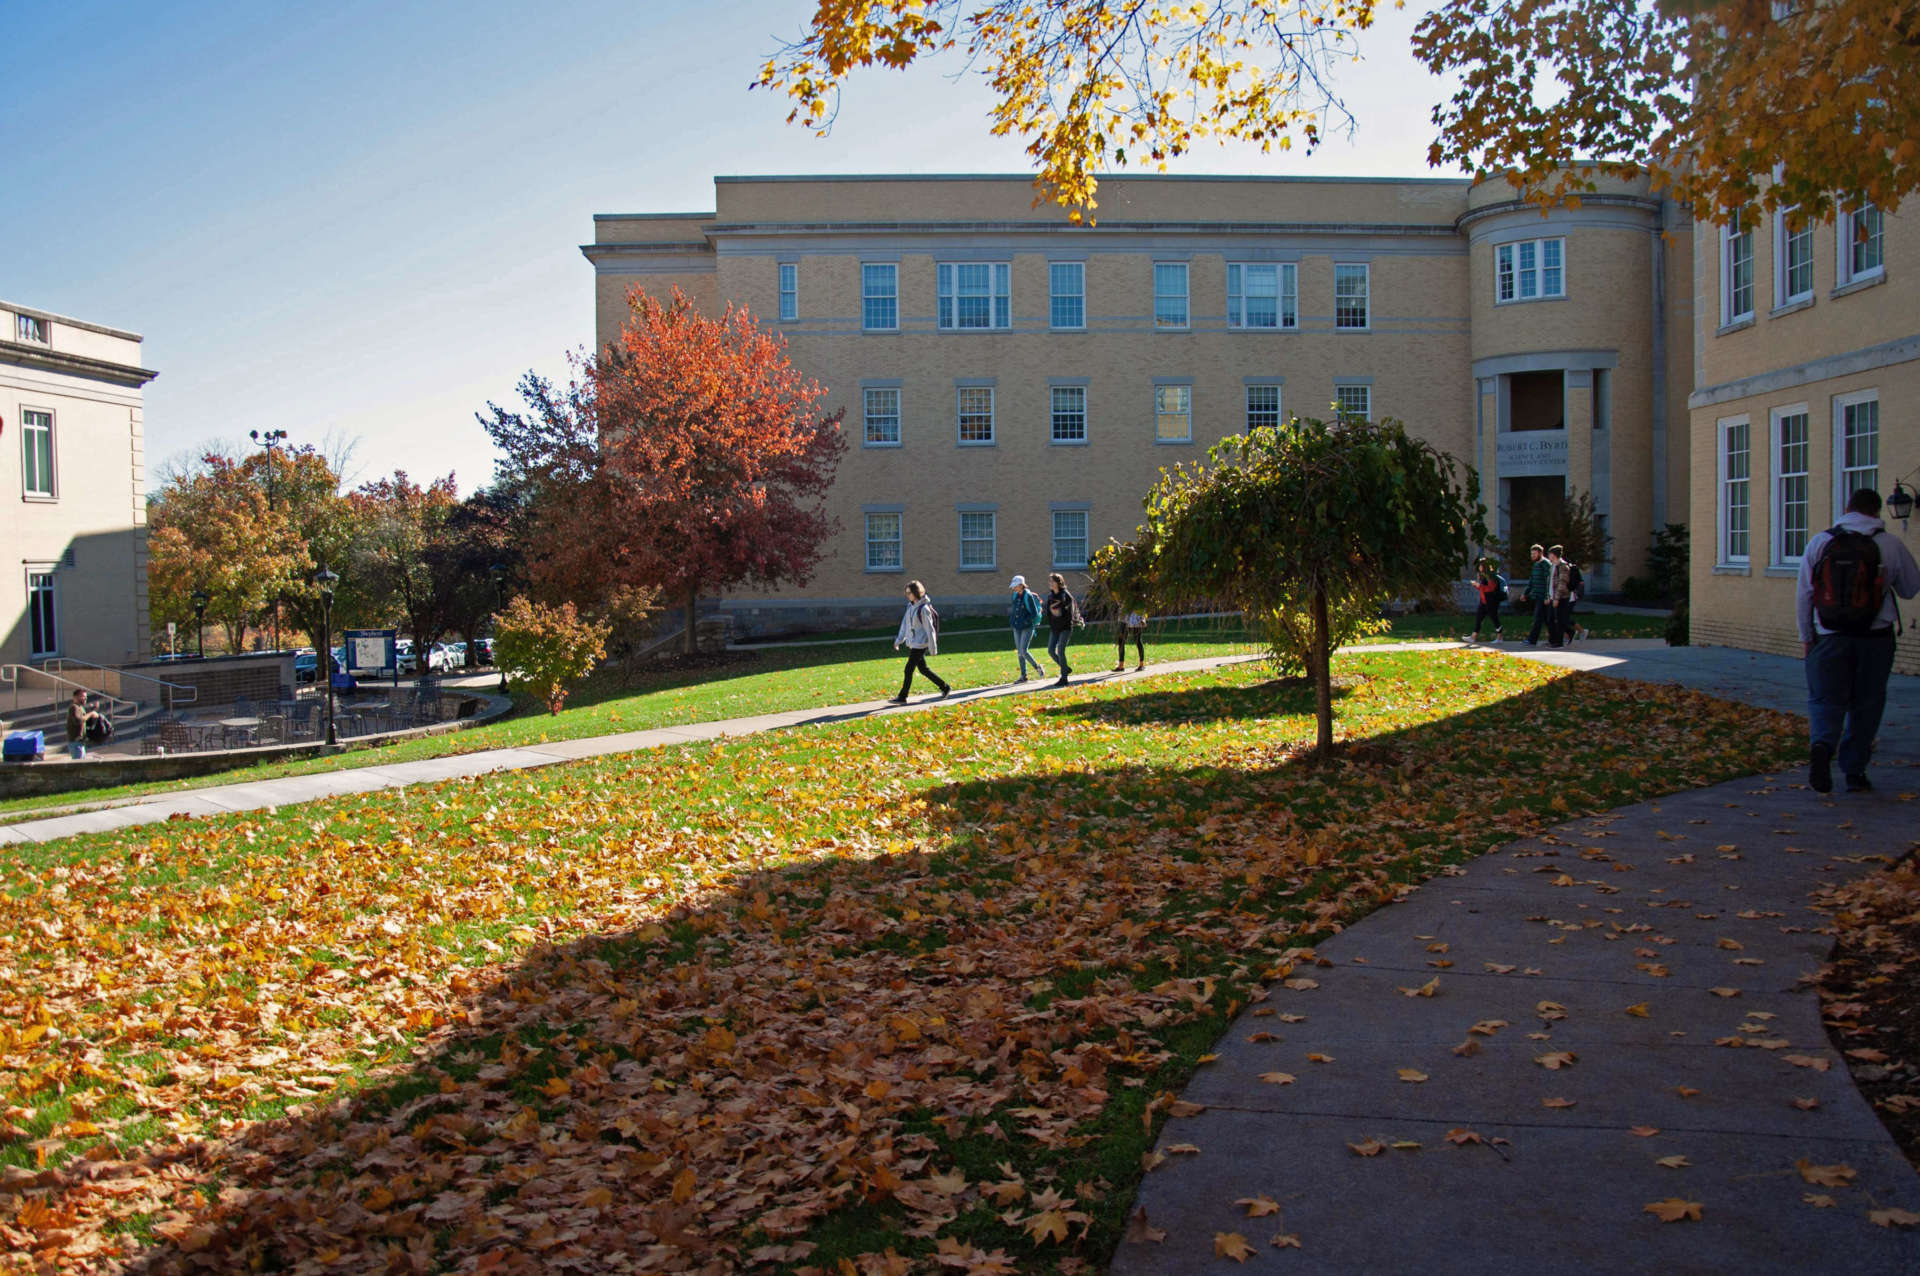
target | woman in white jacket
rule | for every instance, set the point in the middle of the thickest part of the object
(920, 635)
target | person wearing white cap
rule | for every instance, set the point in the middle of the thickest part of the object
(1023, 613)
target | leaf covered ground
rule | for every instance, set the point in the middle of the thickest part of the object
(904, 994)
(1870, 993)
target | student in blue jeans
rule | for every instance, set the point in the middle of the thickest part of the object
(1060, 614)
(1023, 613)
(1847, 665)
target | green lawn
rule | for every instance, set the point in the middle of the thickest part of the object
(916, 983)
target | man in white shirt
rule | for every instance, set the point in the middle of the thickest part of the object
(1849, 650)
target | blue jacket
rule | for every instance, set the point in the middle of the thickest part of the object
(1023, 610)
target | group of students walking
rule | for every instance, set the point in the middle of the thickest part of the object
(1554, 585)
(1027, 611)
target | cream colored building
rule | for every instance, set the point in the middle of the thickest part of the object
(1806, 360)
(72, 490)
(1013, 383)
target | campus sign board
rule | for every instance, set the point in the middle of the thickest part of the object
(1530, 453)
(372, 653)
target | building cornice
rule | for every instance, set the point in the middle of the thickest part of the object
(591, 251)
(1638, 202)
(69, 322)
(1027, 179)
(74, 364)
(1106, 229)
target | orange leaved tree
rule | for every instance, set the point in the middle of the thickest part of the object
(691, 457)
(547, 648)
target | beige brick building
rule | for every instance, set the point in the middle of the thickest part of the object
(1014, 383)
(72, 490)
(1806, 356)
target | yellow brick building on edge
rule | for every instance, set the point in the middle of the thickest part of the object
(1013, 383)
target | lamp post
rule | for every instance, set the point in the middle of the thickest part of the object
(270, 440)
(1900, 504)
(200, 601)
(326, 580)
(499, 573)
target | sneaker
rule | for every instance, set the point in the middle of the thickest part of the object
(1062, 682)
(1497, 637)
(1141, 667)
(944, 693)
(1859, 784)
(1820, 772)
(1120, 668)
(1021, 678)
(897, 700)
(1582, 635)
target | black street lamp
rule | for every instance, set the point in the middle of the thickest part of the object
(326, 580)
(200, 601)
(271, 440)
(1900, 504)
(499, 573)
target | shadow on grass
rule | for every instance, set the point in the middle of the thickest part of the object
(798, 1053)
(1278, 697)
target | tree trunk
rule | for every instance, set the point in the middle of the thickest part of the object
(693, 603)
(1322, 674)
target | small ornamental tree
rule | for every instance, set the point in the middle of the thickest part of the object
(547, 648)
(1308, 527)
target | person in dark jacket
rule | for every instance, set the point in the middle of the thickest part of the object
(1023, 613)
(1060, 608)
(80, 724)
(1492, 588)
(1539, 579)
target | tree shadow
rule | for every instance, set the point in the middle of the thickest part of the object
(799, 1053)
(1276, 697)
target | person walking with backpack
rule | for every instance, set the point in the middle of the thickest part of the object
(1062, 612)
(1133, 627)
(1844, 602)
(1560, 597)
(1576, 587)
(1492, 588)
(1023, 613)
(920, 635)
(1538, 579)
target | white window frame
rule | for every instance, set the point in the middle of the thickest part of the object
(32, 330)
(1842, 489)
(868, 416)
(871, 272)
(1365, 295)
(1055, 413)
(1164, 410)
(47, 572)
(1077, 271)
(1724, 480)
(1782, 478)
(1085, 538)
(1279, 398)
(1286, 295)
(789, 275)
(961, 413)
(1735, 244)
(31, 429)
(1844, 230)
(992, 539)
(1785, 241)
(1521, 272)
(1166, 322)
(898, 540)
(1342, 411)
(949, 293)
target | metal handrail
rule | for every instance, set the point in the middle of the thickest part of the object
(177, 693)
(10, 677)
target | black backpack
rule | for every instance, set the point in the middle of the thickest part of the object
(1849, 583)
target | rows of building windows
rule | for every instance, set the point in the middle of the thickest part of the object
(979, 533)
(976, 423)
(1785, 465)
(1860, 256)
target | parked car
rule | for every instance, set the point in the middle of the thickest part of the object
(440, 658)
(306, 663)
(403, 656)
(456, 655)
(483, 649)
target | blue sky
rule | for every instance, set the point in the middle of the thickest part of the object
(362, 218)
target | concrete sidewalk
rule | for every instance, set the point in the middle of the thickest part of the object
(1620, 992)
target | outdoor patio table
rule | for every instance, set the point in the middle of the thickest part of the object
(241, 728)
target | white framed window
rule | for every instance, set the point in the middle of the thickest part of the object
(1862, 239)
(1792, 258)
(884, 542)
(1352, 290)
(975, 407)
(789, 290)
(1736, 497)
(1529, 269)
(31, 330)
(978, 540)
(1069, 538)
(1173, 414)
(975, 294)
(36, 453)
(1067, 294)
(1170, 294)
(43, 613)
(1736, 271)
(879, 296)
(1856, 444)
(1353, 402)
(1069, 414)
(1263, 406)
(1263, 294)
(880, 409)
(1792, 496)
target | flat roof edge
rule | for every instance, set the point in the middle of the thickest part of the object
(651, 217)
(69, 320)
(733, 179)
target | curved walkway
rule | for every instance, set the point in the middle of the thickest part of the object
(1622, 1016)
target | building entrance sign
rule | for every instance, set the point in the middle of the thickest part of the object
(1530, 453)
